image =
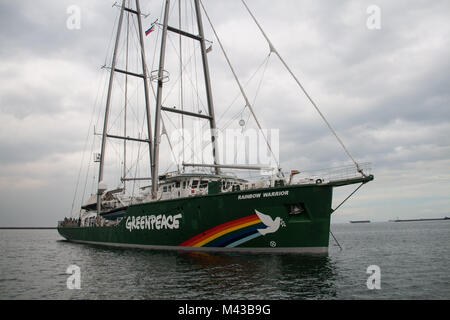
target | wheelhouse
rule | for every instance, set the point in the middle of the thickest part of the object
(188, 185)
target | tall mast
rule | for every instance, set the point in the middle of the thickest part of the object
(212, 120)
(108, 107)
(211, 117)
(155, 163)
(124, 176)
(144, 77)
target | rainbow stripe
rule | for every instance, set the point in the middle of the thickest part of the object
(230, 234)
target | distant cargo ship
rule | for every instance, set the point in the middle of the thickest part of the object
(360, 221)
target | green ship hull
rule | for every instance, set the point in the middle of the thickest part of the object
(284, 219)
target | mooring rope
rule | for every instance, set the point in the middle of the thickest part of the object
(337, 242)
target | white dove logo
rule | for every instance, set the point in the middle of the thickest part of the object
(272, 225)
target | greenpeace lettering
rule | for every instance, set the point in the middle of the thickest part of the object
(159, 222)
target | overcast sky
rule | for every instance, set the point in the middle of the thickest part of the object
(385, 91)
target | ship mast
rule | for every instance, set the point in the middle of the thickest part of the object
(124, 176)
(143, 76)
(155, 163)
(212, 120)
(211, 117)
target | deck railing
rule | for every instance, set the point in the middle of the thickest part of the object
(333, 174)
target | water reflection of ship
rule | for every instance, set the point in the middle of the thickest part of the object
(262, 276)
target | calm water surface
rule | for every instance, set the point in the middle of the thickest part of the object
(413, 258)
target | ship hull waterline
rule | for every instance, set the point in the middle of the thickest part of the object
(289, 219)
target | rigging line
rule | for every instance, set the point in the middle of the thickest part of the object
(189, 47)
(108, 54)
(351, 194)
(86, 143)
(181, 74)
(157, 40)
(111, 39)
(81, 167)
(254, 101)
(193, 85)
(257, 90)
(273, 49)
(87, 173)
(94, 178)
(265, 62)
(245, 85)
(170, 143)
(129, 102)
(135, 89)
(126, 105)
(168, 94)
(162, 120)
(171, 10)
(139, 157)
(94, 137)
(240, 86)
(176, 81)
(154, 95)
(168, 168)
(230, 121)
(190, 145)
(119, 116)
(195, 60)
(136, 163)
(337, 242)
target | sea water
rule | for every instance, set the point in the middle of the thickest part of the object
(411, 261)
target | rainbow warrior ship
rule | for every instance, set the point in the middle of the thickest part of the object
(200, 202)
